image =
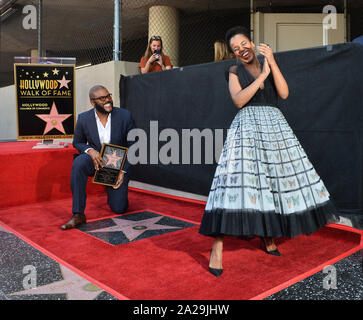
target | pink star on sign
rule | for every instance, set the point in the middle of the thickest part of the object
(112, 159)
(53, 120)
(64, 82)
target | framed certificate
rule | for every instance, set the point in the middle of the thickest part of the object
(114, 157)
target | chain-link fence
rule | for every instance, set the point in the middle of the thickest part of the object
(188, 29)
(84, 29)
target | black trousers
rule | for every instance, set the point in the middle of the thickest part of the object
(83, 168)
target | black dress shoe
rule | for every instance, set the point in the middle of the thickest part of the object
(273, 252)
(214, 271)
(75, 221)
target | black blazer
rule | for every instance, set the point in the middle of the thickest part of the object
(86, 133)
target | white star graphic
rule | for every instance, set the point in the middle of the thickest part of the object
(55, 71)
(74, 286)
(132, 229)
(64, 82)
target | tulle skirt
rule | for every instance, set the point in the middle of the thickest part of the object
(264, 184)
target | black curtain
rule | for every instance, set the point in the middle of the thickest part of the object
(324, 108)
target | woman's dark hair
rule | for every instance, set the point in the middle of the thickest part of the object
(236, 30)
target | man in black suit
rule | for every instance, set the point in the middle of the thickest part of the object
(102, 124)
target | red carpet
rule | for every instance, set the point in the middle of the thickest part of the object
(35, 175)
(174, 265)
(35, 201)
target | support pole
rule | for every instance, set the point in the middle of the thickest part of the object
(252, 22)
(346, 24)
(116, 32)
(40, 22)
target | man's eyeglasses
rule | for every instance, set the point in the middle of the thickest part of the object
(155, 38)
(103, 98)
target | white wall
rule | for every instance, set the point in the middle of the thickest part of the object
(292, 31)
(8, 119)
(106, 74)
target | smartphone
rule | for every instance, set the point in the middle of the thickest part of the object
(157, 52)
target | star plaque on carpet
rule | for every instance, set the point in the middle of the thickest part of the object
(114, 157)
(133, 227)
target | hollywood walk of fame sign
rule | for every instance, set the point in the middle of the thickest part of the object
(114, 157)
(45, 97)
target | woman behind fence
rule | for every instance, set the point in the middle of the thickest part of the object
(221, 51)
(154, 59)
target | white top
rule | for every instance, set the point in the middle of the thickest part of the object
(103, 132)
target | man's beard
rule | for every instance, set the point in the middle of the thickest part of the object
(100, 108)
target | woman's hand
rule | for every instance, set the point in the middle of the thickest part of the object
(280, 82)
(160, 61)
(152, 58)
(266, 69)
(267, 52)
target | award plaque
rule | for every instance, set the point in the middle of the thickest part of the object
(114, 157)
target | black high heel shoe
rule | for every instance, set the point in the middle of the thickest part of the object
(214, 271)
(264, 248)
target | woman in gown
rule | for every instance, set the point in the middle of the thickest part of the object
(264, 184)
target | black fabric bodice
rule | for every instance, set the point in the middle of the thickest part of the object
(266, 96)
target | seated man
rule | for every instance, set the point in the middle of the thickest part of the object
(102, 124)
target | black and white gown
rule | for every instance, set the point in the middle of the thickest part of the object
(264, 184)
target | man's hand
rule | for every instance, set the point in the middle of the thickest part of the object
(96, 158)
(120, 179)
